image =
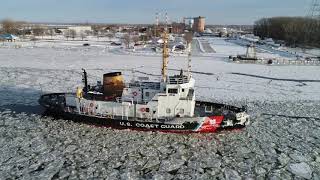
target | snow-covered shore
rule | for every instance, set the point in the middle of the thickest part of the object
(217, 79)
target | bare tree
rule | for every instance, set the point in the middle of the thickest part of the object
(87, 32)
(148, 35)
(96, 28)
(110, 35)
(73, 33)
(188, 37)
(135, 39)
(96, 31)
(38, 31)
(67, 34)
(83, 35)
(97, 34)
(52, 32)
(23, 29)
(9, 26)
(127, 40)
(2, 40)
(33, 39)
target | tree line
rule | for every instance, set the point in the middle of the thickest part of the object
(22, 28)
(295, 31)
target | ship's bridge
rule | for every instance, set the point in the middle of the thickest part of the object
(181, 86)
(178, 99)
(178, 79)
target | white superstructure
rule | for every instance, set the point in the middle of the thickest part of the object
(148, 100)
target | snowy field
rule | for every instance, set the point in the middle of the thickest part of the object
(281, 143)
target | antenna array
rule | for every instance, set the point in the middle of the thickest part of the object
(314, 10)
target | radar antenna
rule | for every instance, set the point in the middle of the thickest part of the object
(314, 10)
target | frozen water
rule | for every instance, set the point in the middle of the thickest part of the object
(301, 170)
(282, 141)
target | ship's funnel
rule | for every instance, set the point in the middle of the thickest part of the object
(113, 85)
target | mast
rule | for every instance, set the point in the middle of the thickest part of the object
(188, 37)
(165, 53)
(157, 25)
(165, 56)
(85, 80)
(189, 60)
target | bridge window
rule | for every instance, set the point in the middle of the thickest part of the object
(190, 93)
(147, 94)
(173, 91)
(208, 109)
(168, 110)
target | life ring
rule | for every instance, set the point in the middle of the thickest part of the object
(135, 93)
(91, 108)
(109, 116)
(143, 109)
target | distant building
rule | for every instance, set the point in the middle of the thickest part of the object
(60, 28)
(177, 28)
(190, 23)
(198, 24)
(79, 29)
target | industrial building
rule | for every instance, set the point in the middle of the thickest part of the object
(198, 24)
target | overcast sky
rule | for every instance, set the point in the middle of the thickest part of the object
(143, 11)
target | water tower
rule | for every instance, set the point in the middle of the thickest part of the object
(199, 23)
